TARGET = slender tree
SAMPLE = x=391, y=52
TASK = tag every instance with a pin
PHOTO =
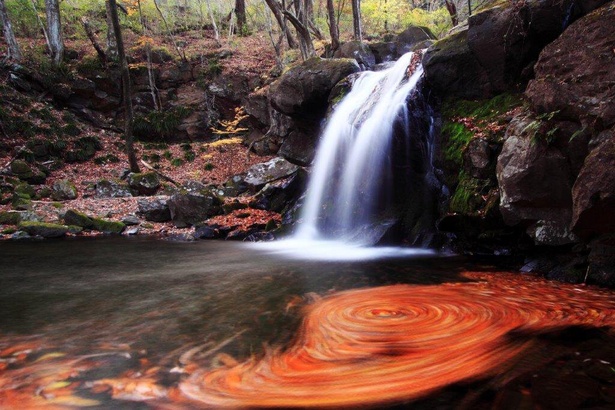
x=126, y=88
x=333, y=26
x=9, y=36
x=452, y=11
x=356, y=20
x=54, y=30
x=278, y=12
x=111, y=43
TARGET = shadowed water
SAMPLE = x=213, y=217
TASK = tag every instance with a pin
x=137, y=323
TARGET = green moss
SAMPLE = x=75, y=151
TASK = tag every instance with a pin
x=176, y=162
x=159, y=124
x=467, y=197
x=105, y=226
x=10, y=218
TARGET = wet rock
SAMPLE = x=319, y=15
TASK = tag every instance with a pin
x=209, y=232
x=63, y=190
x=190, y=208
x=260, y=174
x=299, y=147
x=131, y=231
x=358, y=50
x=479, y=158
x=384, y=52
x=146, y=183
x=601, y=259
x=551, y=233
x=573, y=74
x=534, y=177
x=112, y=189
x=155, y=209
x=10, y=218
x=593, y=193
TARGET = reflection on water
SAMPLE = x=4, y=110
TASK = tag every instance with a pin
x=138, y=323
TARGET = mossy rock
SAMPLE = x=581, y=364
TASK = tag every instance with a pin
x=146, y=183
x=22, y=203
x=105, y=226
x=64, y=190
x=10, y=218
x=47, y=230
x=22, y=170
x=44, y=192
x=25, y=190
x=72, y=217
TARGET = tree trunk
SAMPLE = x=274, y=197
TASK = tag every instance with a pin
x=334, y=30
x=305, y=39
x=111, y=43
x=277, y=11
x=452, y=11
x=126, y=88
x=54, y=28
x=13, y=48
x=213, y=22
x=240, y=13
x=90, y=33
x=356, y=20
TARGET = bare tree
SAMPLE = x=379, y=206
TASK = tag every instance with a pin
x=356, y=20
x=452, y=10
x=111, y=43
x=126, y=88
x=13, y=48
x=54, y=30
x=278, y=12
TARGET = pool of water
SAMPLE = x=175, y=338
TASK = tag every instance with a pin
x=143, y=323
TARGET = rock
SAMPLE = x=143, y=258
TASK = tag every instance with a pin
x=190, y=208
x=154, y=209
x=131, y=220
x=131, y=231
x=410, y=37
x=384, y=52
x=299, y=147
x=208, y=232
x=47, y=230
x=10, y=218
x=260, y=174
x=278, y=195
x=593, y=193
x=108, y=227
x=76, y=218
x=574, y=75
x=146, y=183
x=534, y=177
x=235, y=186
x=257, y=105
x=63, y=190
x=551, y=233
x=602, y=260
x=304, y=89
x=452, y=69
x=478, y=158
x=112, y=189
x=358, y=50
x=25, y=172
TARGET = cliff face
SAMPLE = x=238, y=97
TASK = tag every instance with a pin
x=554, y=165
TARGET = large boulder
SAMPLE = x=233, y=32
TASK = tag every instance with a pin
x=575, y=75
x=533, y=176
x=260, y=174
x=304, y=90
x=411, y=38
x=359, y=51
x=26, y=172
x=112, y=189
x=452, y=69
x=191, y=207
x=154, y=209
x=146, y=183
x=63, y=190
x=593, y=194
x=498, y=48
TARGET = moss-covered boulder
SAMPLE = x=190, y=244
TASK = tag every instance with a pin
x=112, y=189
x=76, y=218
x=63, y=190
x=48, y=230
x=26, y=172
x=105, y=226
x=191, y=207
x=10, y=218
x=146, y=183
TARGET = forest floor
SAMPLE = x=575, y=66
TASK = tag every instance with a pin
x=211, y=162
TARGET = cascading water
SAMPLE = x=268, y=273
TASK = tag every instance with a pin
x=352, y=165
x=352, y=177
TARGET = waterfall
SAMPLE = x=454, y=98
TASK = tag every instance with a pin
x=351, y=175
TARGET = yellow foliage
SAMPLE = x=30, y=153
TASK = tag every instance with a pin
x=232, y=127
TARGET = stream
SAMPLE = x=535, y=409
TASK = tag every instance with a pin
x=131, y=323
